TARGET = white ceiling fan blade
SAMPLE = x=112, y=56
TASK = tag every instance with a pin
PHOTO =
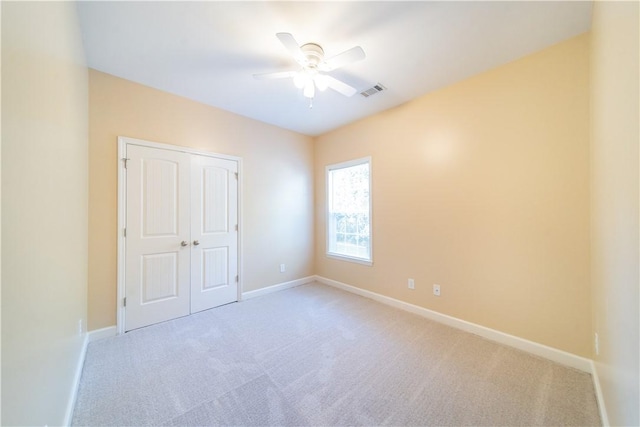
x=340, y=60
x=340, y=87
x=277, y=75
x=292, y=46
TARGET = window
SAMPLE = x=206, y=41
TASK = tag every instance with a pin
x=349, y=211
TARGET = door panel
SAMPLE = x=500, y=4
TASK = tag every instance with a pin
x=159, y=197
x=159, y=277
x=215, y=263
x=214, y=219
x=158, y=215
x=215, y=199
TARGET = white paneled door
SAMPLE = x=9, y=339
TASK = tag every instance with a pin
x=214, y=234
x=181, y=239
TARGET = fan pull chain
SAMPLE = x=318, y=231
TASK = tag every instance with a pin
x=310, y=103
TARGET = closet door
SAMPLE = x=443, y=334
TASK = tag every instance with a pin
x=214, y=232
x=158, y=236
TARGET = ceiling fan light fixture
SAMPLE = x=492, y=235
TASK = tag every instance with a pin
x=309, y=89
x=322, y=83
x=300, y=79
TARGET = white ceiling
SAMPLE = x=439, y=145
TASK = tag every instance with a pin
x=208, y=51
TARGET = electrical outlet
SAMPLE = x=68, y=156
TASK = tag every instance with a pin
x=412, y=284
x=596, y=344
x=282, y=268
x=436, y=290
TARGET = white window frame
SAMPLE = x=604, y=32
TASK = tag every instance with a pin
x=338, y=256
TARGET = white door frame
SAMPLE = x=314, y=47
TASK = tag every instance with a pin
x=122, y=197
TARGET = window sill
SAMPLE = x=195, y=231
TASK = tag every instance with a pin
x=349, y=259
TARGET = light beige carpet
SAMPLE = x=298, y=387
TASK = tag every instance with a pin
x=314, y=355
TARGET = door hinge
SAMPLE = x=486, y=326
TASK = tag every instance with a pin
x=124, y=302
x=237, y=279
x=124, y=232
x=236, y=173
x=125, y=162
x=236, y=227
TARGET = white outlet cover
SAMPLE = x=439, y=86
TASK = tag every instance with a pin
x=436, y=290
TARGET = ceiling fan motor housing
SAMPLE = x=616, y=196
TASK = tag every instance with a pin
x=313, y=53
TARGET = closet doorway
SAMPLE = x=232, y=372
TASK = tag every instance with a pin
x=178, y=232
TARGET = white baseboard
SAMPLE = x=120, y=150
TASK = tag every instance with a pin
x=559, y=356
x=88, y=337
x=275, y=288
x=604, y=417
x=98, y=334
x=73, y=394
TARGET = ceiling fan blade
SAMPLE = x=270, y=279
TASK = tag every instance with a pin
x=277, y=75
x=292, y=46
x=340, y=87
x=340, y=60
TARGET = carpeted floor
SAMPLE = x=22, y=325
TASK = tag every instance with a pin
x=314, y=355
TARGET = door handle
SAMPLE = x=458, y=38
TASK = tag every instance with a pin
x=184, y=243
x=196, y=243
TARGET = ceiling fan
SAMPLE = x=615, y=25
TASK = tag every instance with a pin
x=314, y=67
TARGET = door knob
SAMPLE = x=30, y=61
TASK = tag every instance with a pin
x=184, y=243
x=196, y=243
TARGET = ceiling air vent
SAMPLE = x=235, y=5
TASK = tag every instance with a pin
x=372, y=91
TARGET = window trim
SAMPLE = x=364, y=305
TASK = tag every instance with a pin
x=343, y=165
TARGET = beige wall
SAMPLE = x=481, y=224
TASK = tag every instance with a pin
x=483, y=188
x=277, y=197
x=44, y=209
x=614, y=208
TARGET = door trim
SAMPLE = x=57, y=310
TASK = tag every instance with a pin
x=123, y=141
